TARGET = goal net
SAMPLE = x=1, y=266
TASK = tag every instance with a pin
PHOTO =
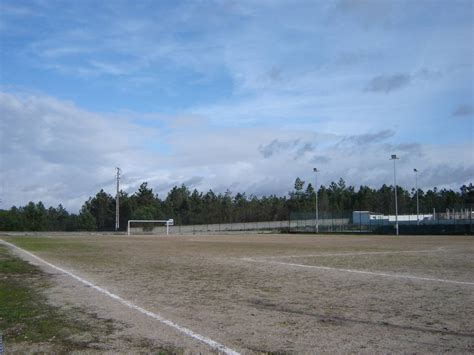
x=139, y=226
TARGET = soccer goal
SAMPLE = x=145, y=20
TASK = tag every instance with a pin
x=148, y=226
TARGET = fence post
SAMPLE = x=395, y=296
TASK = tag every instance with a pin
x=470, y=220
x=332, y=221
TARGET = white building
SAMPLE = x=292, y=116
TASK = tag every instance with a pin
x=371, y=218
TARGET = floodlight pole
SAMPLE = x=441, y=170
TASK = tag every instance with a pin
x=117, y=202
x=316, y=197
x=417, y=200
x=395, y=158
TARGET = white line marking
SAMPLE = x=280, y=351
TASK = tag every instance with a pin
x=362, y=272
x=213, y=344
x=353, y=254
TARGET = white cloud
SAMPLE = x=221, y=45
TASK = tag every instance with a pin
x=58, y=153
x=53, y=151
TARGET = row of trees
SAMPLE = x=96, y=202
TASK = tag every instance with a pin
x=35, y=217
x=194, y=207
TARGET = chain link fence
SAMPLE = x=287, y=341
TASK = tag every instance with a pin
x=448, y=222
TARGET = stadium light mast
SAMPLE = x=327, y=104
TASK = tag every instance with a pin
x=316, y=197
x=117, y=205
x=417, y=200
x=395, y=158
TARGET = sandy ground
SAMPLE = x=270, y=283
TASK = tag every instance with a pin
x=256, y=293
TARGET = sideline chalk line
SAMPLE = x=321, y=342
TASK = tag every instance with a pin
x=361, y=272
x=213, y=344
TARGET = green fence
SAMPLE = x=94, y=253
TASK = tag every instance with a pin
x=346, y=222
x=305, y=222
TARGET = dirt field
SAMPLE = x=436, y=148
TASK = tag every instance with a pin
x=271, y=293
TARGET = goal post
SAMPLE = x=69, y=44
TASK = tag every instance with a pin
x=149, y=224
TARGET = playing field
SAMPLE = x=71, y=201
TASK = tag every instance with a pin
x=272, y=293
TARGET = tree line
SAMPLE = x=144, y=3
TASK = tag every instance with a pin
x=194, y=207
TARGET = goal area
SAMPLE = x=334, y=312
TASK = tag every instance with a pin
x=148, y=226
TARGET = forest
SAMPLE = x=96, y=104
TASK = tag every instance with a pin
x=194, y=207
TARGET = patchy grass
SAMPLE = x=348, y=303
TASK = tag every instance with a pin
x=29, y=324
x=25, y=316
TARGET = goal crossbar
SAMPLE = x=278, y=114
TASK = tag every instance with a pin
x=168, y=223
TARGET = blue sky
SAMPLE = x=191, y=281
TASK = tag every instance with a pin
x=239, y=95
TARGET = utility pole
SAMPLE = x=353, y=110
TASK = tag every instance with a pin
x=417, y=200
x=395, y=158
x=316, y=198
x=117, y=213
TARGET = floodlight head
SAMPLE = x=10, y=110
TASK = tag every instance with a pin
x=394, y=156
x=415, y=170
x=315, y=170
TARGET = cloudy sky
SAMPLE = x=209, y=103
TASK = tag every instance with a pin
x=240, y=95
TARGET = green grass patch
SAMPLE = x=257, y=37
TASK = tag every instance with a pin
x=28, y=320
x=13, y=266
x=25, y=316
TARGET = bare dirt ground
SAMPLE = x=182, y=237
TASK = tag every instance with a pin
x=271, y=293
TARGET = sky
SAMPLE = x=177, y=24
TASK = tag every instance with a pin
x=232, y=95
